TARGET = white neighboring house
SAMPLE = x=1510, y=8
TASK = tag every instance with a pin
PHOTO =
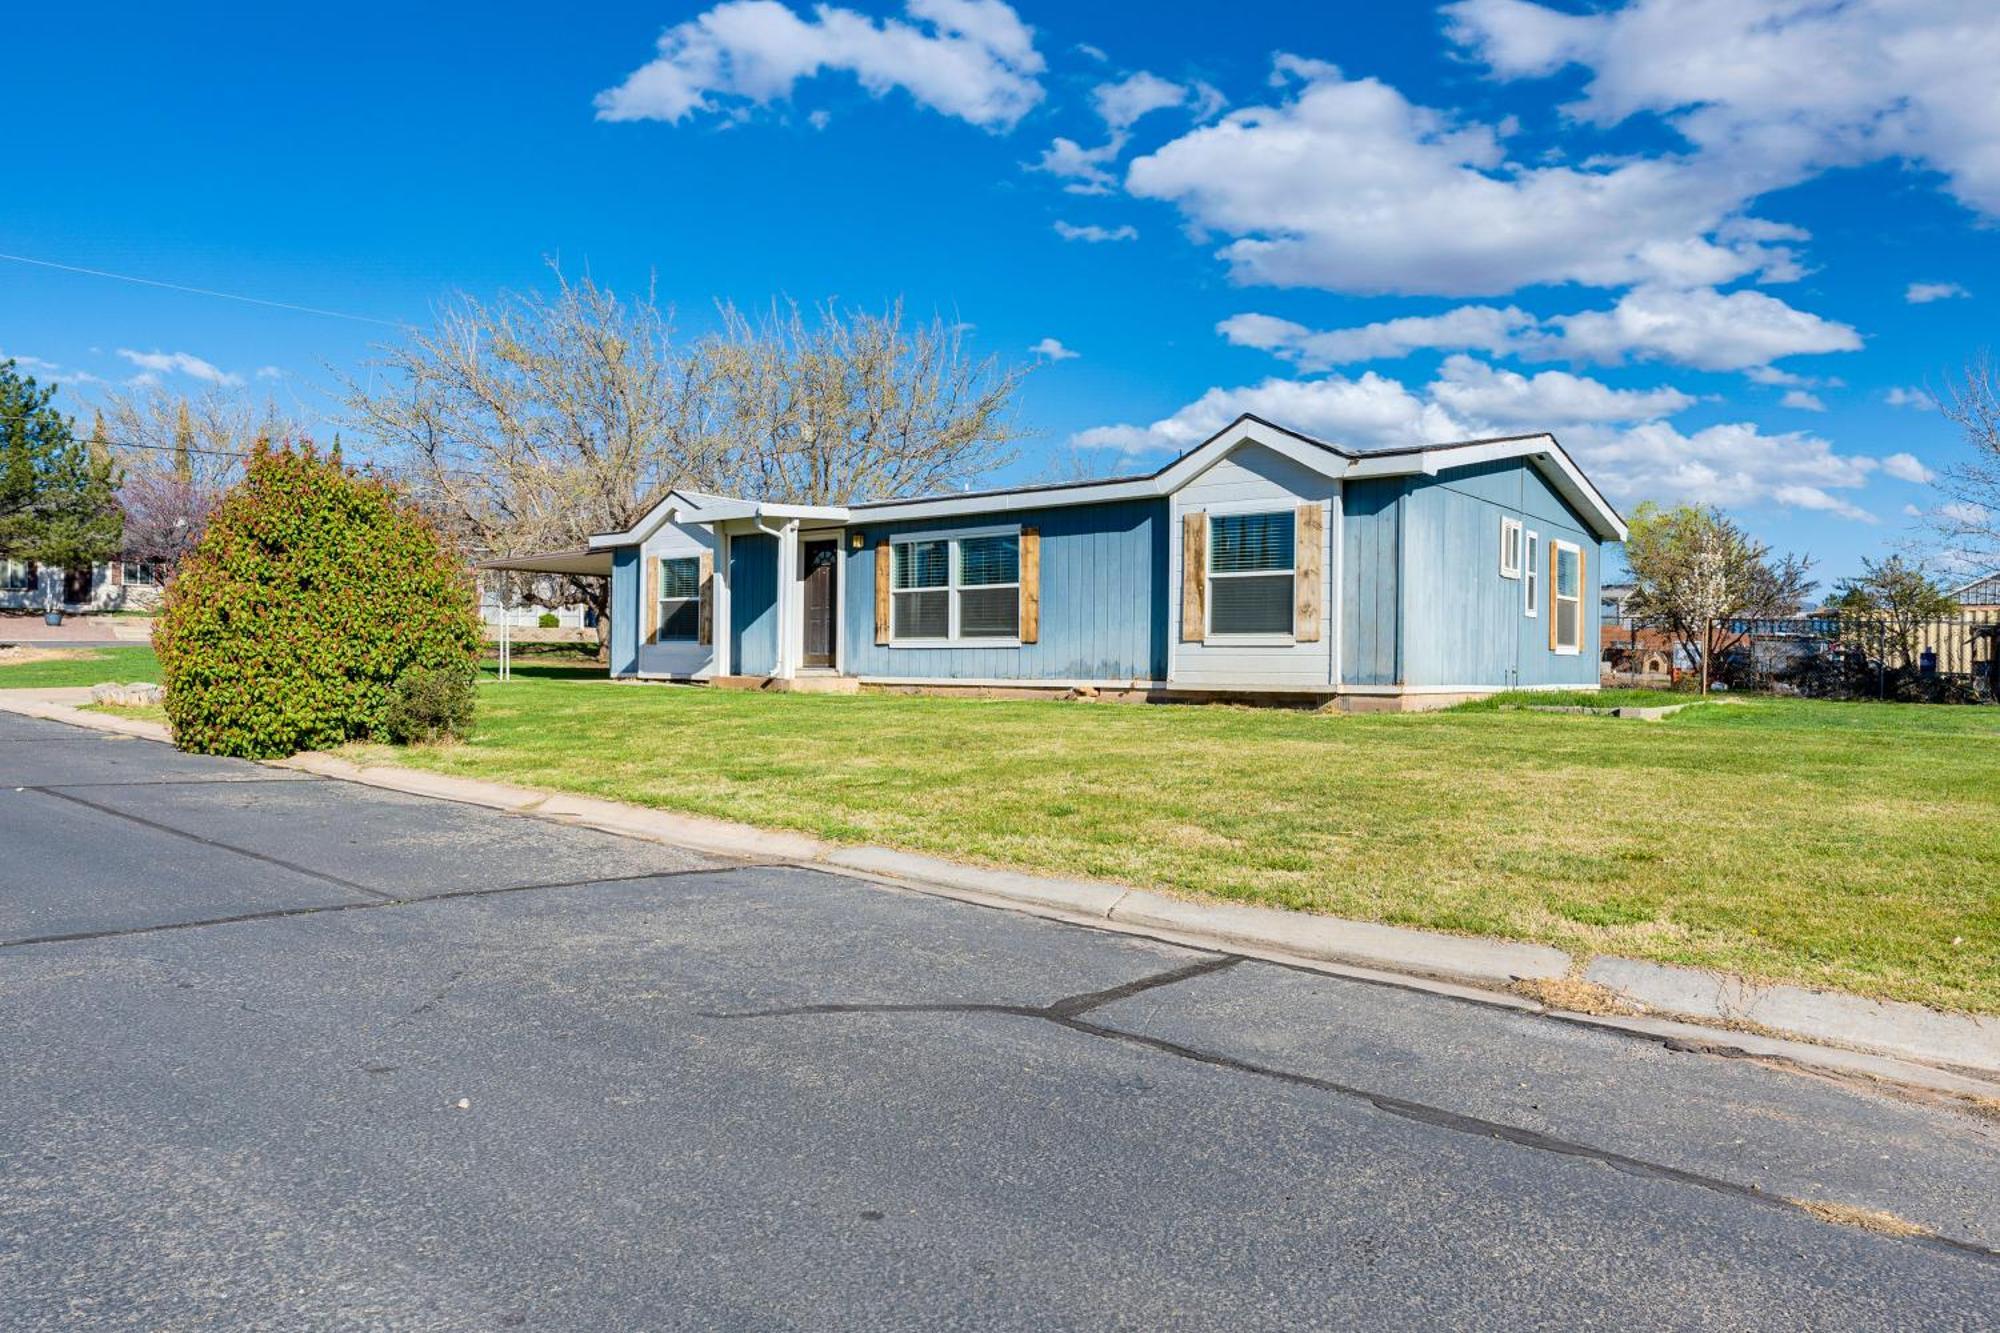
x=526, y=615
x=114, y=585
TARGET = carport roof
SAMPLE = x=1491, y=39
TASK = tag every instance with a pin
x=580, y=560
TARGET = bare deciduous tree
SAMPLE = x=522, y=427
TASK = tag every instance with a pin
x=1968, y=520
x=534, y=421
x=177, y=457
x=855, y=406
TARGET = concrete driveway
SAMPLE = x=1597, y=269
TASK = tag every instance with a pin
x=280, y=1052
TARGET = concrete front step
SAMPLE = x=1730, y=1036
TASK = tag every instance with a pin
x=811, y=683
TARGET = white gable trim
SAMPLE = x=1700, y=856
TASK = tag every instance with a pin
x=1541, y=450
x=1328, y=460
x=698, y=508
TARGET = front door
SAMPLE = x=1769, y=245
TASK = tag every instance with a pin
x=819, y=570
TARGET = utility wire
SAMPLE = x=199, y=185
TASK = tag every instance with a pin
x=202, y=291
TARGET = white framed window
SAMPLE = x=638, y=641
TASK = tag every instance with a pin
x=140, y=573
x=1252, y=563
x=1510, y=548
x=16, y=575
x=680, y=600
x=1531, y=584
x=1566, y=596
x=956, y=587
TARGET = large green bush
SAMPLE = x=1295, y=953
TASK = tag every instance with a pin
x=311, y=592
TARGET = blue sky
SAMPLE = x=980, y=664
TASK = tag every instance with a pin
x=1720, y=247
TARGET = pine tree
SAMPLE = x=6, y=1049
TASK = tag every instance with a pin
x=57, y=493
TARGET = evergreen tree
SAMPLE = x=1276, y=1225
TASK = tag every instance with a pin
x=57, y=501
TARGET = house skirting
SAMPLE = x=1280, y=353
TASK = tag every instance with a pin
x=1346, y=698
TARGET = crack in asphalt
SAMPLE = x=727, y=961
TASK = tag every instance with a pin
x=51, y=788
x=381, y=901
x=158, y=827
x=1068, y=1013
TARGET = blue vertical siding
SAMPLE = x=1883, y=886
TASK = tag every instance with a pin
x=1466, y=624
x=753, y=605
x=1370, y=579
x=1549, y=514
x=1104, y=600
x=624, y=610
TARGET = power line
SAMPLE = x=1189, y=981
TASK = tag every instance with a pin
x=201, y=291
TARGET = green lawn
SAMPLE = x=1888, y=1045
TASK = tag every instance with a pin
x=1849, y=845
x=83, y=666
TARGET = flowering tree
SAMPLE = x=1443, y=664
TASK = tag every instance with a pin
x=1694, y=571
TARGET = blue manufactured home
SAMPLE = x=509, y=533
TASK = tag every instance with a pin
x=1261, y=563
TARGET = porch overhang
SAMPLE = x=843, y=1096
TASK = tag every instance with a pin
x=581, y=562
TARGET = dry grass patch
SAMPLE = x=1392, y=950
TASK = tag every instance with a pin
x=1574, y=994
x=1867, y=1219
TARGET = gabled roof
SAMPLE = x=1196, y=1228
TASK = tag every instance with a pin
x=1541, y=449
x=1985, y=584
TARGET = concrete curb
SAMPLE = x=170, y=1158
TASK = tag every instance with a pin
x=1908, y=1029
x=1871, y=1038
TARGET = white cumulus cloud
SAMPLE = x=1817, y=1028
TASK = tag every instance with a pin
x=1121, y=104
x=1775, y=90
x=1051, y=349
x=1477, y=328
x=1907, y=467
x=1348, y=185
x=1700, y=327
x=1476, y=392
x=1923, y=293
x=1918, y=399
x=1094, y=234
x=971, y=59
x=158, y=363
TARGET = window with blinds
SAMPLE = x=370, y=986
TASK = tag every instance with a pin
x=922, y=605
x=989, y=586
x=961, y=588
x=680, y=600
x=1251, y=566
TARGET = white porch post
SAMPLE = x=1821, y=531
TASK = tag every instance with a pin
x=789, y=606
x=718, y=623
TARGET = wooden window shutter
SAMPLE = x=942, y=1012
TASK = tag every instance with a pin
x=649, y=614
x=1582, y=602
x=706, y=634
x=1551, y=557
x=882, y=590
x=1194, y=577
x=1308, y=543
x=1031, y=585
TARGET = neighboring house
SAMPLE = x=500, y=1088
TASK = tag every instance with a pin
x=107, y=586
x=528, y=615
x=1261, y=563
x=1981, y=594
x=1630, y=648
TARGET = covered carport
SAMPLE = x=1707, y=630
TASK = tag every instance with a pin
x=577, y=562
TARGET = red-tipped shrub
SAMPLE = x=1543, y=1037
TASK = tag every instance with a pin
x=312, y=590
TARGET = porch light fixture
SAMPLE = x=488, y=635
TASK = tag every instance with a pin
x=855, y=541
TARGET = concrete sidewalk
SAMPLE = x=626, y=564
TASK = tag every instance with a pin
x=1904, y=1043
x=76, y=631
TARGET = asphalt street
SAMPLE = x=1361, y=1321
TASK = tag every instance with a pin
x=280, y=1052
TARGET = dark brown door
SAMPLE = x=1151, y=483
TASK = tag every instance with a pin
x=820, y=570
x=76, y=585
